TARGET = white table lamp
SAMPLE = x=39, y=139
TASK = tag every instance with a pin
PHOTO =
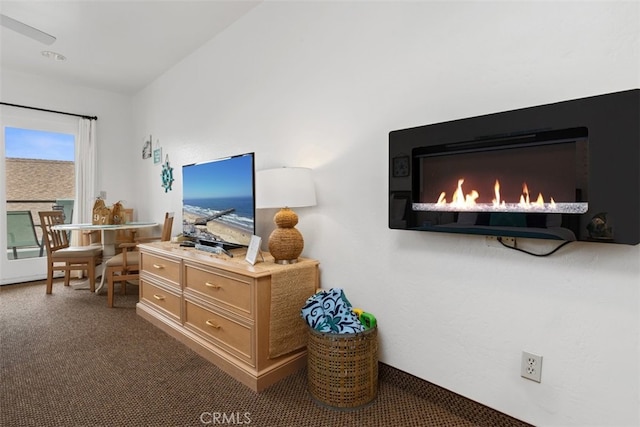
x=285, y=188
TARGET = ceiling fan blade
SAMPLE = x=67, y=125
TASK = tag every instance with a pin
x=26, y=30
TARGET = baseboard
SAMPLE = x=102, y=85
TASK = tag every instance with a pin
x=461, y=406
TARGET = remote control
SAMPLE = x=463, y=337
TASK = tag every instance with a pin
x=214, y=249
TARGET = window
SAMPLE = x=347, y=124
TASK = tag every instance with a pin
x=40, y=174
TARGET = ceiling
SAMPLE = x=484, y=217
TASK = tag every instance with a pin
x=119, y=46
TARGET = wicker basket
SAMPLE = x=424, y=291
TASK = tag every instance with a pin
x=343, y=368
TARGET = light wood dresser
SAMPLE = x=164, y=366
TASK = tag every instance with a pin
x=245, y=319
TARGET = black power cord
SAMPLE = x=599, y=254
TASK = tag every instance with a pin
x=566, y=242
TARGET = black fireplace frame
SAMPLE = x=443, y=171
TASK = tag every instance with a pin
x=611, y=125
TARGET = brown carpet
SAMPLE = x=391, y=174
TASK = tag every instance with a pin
x=68, y=360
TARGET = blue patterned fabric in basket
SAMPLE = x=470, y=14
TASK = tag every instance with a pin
x=330, y=311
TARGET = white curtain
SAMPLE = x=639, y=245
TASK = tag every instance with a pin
x=86, y=172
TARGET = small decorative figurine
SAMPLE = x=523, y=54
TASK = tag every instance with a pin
x=598, y=227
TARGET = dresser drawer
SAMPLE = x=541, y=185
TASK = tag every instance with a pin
x=221, y=329
x=160, y=299
x=220, y=287
x=165, y=268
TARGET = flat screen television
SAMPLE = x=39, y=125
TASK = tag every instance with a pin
x=218, y=206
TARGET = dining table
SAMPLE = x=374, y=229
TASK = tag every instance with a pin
x=108, y=238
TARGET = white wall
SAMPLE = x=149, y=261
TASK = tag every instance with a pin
x=321, y=84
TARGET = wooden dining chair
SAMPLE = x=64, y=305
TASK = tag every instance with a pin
x=128, y=235
x=61, y=256
x=126, y=265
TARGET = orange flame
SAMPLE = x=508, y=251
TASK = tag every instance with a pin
x=461, y=200
x=496, y=188
x=524, y=197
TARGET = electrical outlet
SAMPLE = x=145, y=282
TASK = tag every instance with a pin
x=531, y=367
x=103, y=195
x=492, y=241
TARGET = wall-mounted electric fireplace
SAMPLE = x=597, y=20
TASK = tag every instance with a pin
x=566, y=171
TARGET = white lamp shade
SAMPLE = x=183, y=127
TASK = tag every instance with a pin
x=285, y=188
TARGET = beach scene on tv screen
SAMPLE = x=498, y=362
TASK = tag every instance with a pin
x=218, y=202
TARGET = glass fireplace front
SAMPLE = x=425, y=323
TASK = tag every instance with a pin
x=567, y=171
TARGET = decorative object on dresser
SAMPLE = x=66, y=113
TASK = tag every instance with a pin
x=125, y=265
x=243, y=318
x=253, y=250
x=285, y=188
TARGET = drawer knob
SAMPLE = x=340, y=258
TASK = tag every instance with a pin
x=158, y=266
x=158, y=297
x=212, y=324
x=212, y=285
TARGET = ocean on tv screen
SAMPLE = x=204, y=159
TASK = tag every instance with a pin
x=225, y=219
